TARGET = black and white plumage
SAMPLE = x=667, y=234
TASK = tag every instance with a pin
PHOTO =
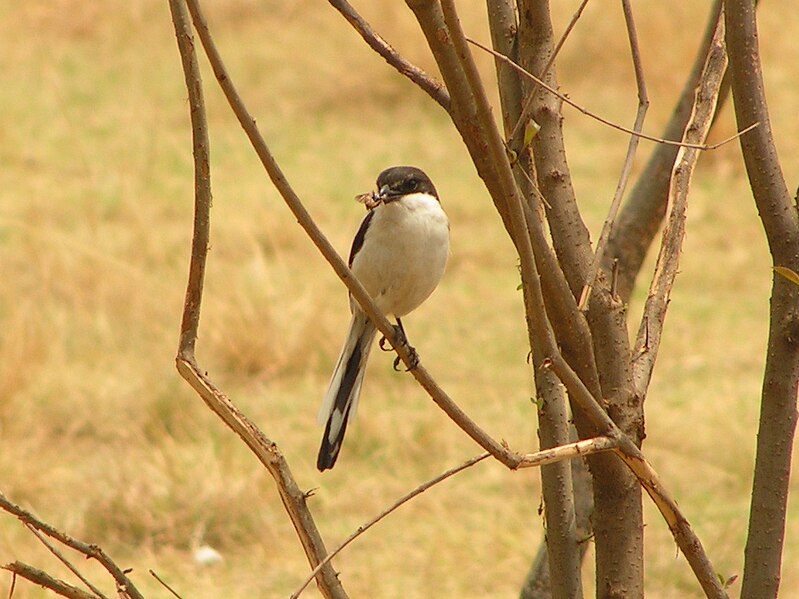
x=399, y=254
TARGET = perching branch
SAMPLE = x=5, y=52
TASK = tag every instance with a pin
x=266, y=451
x=305, y=220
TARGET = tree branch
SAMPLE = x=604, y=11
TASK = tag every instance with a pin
x=649, y=333
x=679, y=526
x=564, y=554
x=540, y=458
x=65, y=561
x=394, y=506
x=439, y=396
x=525, y=113
x=43, y=579
x=643, y=105
x=561, y=552
x=631, y=455
x=664, y=140
x=266, y=451
x=639, y=219
x=577, y=449
x=429, y=85
x=94, y=552
x=778, y=212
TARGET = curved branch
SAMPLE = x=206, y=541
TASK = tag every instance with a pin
x=266, y=451
x=439, y=396
x=428, y=84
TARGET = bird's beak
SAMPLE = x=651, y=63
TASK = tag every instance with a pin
x=386, y=194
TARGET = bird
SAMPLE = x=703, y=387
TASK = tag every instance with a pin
x=399, y=255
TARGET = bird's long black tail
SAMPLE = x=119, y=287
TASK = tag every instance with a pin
x=341, y=399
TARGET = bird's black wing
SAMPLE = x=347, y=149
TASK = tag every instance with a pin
x=357, y=243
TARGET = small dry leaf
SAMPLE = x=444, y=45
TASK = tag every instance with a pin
x=370, y=200
x=788, y=274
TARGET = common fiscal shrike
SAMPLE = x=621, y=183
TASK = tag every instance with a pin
x=399, y=254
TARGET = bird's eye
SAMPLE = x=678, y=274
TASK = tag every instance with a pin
x=412, y=184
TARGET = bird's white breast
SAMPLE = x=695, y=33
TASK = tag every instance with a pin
x=404, y=253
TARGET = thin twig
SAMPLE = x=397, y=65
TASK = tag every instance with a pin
x=305, y=220
x=429, y=85
x=90, y=551
x=602, y=120
x=402, y=500
x=13, y=585
x=164, y=584
x=64, y=560
x=643, y=105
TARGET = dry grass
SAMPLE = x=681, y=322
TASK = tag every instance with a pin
x=101, y=438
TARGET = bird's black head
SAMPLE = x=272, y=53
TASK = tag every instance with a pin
x=398, y=181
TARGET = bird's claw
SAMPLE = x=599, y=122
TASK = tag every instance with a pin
x=401, y=339
x=399, y=335
x=414, y=359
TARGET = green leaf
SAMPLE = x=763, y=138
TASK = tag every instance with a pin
x=531, y=129
x=787, y=273
x=725, y=581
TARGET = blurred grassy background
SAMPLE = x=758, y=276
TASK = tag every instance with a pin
x=100, y=436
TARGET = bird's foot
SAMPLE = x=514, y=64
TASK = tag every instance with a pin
x=401, y=339
x=399, y=335
x=414, y=361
